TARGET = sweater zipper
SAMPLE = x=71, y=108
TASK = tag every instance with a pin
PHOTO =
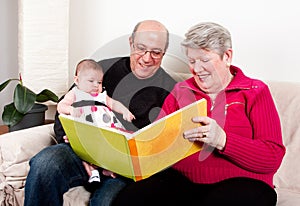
x=227, y=105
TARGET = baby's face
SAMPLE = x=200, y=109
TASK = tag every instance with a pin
x=90, y=81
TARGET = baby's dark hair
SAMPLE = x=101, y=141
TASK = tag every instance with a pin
x=87, y=64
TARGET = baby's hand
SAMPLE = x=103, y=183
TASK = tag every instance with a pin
x=89, y=167
x=109, y=173
x=76, y=112
x=128, y=116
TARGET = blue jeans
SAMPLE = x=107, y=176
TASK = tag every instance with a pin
x=106, y=193
x=55, y=170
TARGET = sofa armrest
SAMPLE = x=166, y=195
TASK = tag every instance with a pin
x=16, y=149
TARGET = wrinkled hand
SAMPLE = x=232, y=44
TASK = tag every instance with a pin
x=128, y=116
x=209, y=132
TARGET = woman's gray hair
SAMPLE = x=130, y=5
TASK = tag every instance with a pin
x=208, y=36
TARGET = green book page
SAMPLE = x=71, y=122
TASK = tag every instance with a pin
x=98, y=146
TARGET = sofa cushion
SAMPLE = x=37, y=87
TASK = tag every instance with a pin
x=287, y=198
x=16, y=148
x=76, y=196
x=287, y=100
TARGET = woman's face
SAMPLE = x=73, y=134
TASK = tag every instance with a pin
x=210, y=71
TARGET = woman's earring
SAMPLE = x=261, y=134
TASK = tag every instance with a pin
x=228, y=64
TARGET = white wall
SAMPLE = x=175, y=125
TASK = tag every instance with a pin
x=43, y=44
x=8, y=48
x=266, y=33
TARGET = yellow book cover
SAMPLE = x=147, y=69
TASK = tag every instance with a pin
x=140, y=154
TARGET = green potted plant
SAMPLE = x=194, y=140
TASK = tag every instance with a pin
x=24, y=101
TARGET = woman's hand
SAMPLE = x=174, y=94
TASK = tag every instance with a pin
x=209, y=132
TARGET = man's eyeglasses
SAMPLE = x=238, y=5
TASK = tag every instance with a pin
x=142, y=50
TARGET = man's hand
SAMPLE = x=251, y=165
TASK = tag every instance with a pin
x=66, y=139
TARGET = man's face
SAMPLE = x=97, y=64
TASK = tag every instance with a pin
x=147, y=51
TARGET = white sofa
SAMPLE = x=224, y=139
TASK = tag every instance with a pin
x=16, y=148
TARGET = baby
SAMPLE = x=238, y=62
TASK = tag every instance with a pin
x=88, y=101
x=89, y=92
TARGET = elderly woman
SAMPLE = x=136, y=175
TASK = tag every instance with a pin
x=241, y=135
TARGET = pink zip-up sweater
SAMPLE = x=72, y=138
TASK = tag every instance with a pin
x=247, y=113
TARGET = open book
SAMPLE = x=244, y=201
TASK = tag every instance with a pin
x=140, y=154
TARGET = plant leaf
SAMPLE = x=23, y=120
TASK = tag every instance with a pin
x=24, y=98
x=10, y=115
x=4, y=84
x=46, y=95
